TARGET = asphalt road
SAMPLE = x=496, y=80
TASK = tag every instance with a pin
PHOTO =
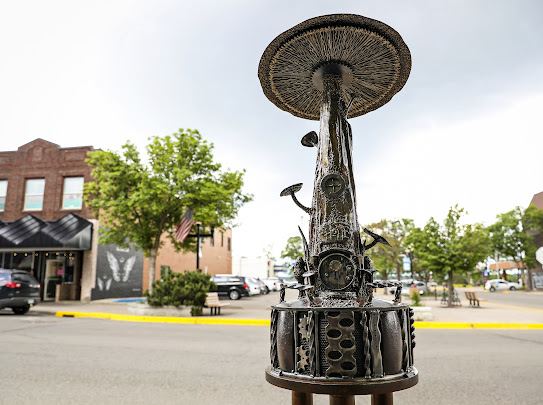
x=516, y=298
x=48, y=360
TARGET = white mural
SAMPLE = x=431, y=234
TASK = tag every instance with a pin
x=119, y=273
x=120, y=268
x=104, y=284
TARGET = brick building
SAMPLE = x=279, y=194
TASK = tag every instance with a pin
x=46, y=229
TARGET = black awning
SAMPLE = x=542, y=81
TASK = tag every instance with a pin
x=68, y=232
x=12, y=234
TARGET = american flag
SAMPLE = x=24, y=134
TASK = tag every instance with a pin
x=184, y=226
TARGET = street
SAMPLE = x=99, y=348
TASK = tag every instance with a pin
x=50, y=360
x=516, y=298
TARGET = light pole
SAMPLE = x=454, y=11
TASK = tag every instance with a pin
x=199, y=235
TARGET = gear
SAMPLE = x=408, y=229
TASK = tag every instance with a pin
x=303, y=327
x=300, y=365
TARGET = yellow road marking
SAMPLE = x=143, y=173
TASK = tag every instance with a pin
x=164, y=319
x=266, y=322
x=478, y=325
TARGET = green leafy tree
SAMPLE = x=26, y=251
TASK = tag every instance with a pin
x=512, y=236
x=293, y=249
x=138, y=202
x=450, y=248
x=389, y=259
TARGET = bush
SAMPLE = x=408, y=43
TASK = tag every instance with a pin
x=415, y=298
x=196, y=311
x=176, y=289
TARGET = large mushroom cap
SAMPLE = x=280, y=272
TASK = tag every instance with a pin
x=372, y=51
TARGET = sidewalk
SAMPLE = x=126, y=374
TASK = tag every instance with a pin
x=259, y=307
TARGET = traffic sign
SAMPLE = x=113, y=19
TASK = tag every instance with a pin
x=539, y=255
x=406, y=263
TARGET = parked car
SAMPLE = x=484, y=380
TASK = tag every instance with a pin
x=272, y=283
x=234, y=287
x=256, y=287
x=493, y=285
x=406, y=284
x=263, y=286
x=18, y=290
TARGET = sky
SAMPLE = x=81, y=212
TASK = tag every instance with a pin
x=466, y=129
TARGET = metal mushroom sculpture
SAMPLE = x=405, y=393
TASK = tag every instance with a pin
x=335, y=338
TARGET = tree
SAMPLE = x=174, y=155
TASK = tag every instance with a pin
x=450, y=248
x=293, y=249
x=389, y=259
x=512, y=236
x=268, y=252
x=139, y=202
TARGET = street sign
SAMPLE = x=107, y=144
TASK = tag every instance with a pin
x=539, y=255
x=406, y=264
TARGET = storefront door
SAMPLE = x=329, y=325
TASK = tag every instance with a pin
x=54, y=269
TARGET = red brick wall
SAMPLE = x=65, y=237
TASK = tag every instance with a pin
x=42, y=159
x=217, y=258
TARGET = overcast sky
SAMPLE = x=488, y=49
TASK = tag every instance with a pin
x=466, y=129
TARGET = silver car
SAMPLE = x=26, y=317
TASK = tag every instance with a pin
x=493, y=285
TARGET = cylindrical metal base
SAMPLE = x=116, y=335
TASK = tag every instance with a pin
x=302, y=398
x=342, y=400
x=382, y=399
x=306, y=398
x=342, y=388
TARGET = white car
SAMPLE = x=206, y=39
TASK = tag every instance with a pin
x=406, y=285
x=272, y=283
x=254, y=286
x=493, y=285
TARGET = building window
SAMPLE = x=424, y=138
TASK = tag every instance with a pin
x=3, y=192
x=222, y=239
x=229, y=245
x=164, y=271
x=73, y=193
x=34, y=194
x=212, y=239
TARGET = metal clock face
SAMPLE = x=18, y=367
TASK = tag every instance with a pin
x=336, y=271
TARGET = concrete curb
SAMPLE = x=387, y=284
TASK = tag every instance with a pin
x=266, y=322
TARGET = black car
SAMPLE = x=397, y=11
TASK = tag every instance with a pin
x=233, y=286
x=18, y=290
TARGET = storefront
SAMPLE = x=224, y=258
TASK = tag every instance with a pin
x=50, y=268
x=52, y=251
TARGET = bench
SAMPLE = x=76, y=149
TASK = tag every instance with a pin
x=213, y=303
x=472, y=297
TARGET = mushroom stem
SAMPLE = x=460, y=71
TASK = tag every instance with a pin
x=299, y=204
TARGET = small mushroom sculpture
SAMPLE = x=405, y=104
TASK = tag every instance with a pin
x=291, y=190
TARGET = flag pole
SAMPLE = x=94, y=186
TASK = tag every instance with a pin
x=197, y=247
